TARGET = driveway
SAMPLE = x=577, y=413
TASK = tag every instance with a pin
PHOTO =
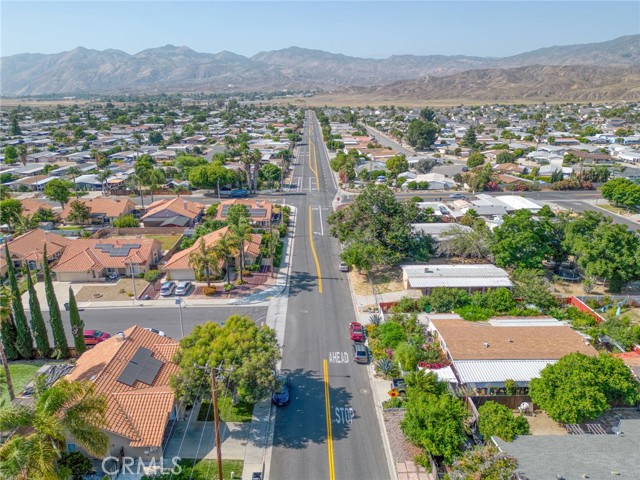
x=61, y=290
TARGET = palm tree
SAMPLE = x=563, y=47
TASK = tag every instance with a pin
x=103, y=176
x=67, y=407
x=256, y=158
x=134, y=182
x=205, y=259
x=247, y=160
x=74, y=172
x=240, y=233
x=225, y=248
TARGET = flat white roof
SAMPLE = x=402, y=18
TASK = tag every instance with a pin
x=497, y=371
x=456, y=276
x=518, y=203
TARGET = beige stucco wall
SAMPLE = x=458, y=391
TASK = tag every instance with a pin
x=181, y=274
x=77, y=277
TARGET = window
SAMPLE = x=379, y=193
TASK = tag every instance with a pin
x=32, y=265
x=71, y=447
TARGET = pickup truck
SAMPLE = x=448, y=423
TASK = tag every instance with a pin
x=399, y=385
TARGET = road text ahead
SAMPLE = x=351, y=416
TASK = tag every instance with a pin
x=338, y=357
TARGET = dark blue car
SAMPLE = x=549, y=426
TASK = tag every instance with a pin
x=282, y=395
x=238, y=193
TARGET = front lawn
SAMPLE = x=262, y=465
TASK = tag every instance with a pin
x=240, y=412
x=21, y=374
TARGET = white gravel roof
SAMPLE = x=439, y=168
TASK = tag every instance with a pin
x=497, y=371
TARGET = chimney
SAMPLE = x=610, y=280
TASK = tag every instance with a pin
x=121, y=337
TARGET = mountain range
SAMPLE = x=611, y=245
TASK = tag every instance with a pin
x=593, y=71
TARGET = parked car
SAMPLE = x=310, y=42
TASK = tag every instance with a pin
x=282, y=395
x=360, y=353
x=343, y=267
x=399, y=385
x=94, y=337
x=156, y=331
x=457, y=195
x=183, y=288
x=167, y=289
x=238, y=193
x=356, y=331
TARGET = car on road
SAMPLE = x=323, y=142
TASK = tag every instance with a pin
x=94, y=337
x=183, y=288
x=343, y=267
x=360, y=353
x=238, y=193
x=457, y=195
x=156, y=331
x=282, y=395
x=167, y=289
x=356, y=332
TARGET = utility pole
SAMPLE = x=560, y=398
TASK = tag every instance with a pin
x=133, y=280
x=216, y=415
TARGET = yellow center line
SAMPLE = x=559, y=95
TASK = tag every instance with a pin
x=313, y=250
x=327, y=403
x=315, y=161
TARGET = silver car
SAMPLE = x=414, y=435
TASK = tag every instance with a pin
x=183, y=288
x=167, y=289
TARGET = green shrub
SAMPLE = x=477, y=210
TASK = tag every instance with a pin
x=209, y=291
x=447, y=299
x=499, y=300
x=386, y=367
x=125, y=221
x=77, y=463
x=397, y=402
x=407, y=354
x=227, y=287
x=405, y=305
x=474, y=313
x=151, y=275
x=390, y=334
x=497, y=420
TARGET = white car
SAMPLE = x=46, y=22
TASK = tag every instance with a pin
x=183, y=288
x=343, y=267
x=156, y=331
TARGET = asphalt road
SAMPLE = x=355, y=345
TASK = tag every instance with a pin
x=319, y=311
x=113, y=320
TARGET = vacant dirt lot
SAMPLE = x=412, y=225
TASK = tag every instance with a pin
x=384, y=280
x=110, y=292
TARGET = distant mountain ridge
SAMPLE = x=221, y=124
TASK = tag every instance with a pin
x=178, y=68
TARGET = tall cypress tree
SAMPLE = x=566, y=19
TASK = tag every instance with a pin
x=61, y=347
x=9, y=334
x=77, y=325
x=38, y=327
x=24, y=340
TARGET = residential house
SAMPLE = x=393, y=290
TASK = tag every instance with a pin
x=437, y=230
x=104, y=210
x=176, y=212
x=27, y=250
x=473, y=278
x=260, y=211
x=92, y=260
x=178, y=267
x=33, y=183
x=485, y=354
x=31, y=206
x=609, y=454
x=132, y=370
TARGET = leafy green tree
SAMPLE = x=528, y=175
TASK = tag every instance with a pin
x=422, y=134
x=58, y=190
x=459, y=242
x=579, y=387
x=505, y=157
x=429, y=114
x=469, y=139
x=447, y=299
x=126, y=221
x=622, y=191
x=270, y=174
x=240, y=233
x=425, y=165
x=77, y=325
x=390, y=334
x=611, y=254
x=60, y=345
x=485, y=462
x=14, y=128
x=376, y=218
x=475, y=160
x=397, y=164
x=10, y=154
x=247, y=353
x=205, y=261
x=155, y=138
x=521, y=241
x=499, y=300
x=533, y=288
x=497, y=420
x=79, y=213
x=408, y=355
x=435, y=423
x=10, y=212
x=38, y=327
x=581, y=230
x=24, y=340
x=66, y=408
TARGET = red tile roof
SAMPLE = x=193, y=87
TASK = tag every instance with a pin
x=83, y=255
x=30, y=246
x=178, y=206
x=139, y=412
x=109, y=207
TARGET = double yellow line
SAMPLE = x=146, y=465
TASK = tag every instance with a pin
x=312, y=148
x=327, y=403
x=313, y=250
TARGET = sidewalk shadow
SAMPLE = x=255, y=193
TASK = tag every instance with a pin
x=295, y=427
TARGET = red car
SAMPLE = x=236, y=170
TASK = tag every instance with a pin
x=94, y=337
x=356, y=331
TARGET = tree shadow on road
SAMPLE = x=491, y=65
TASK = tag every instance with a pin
x=302, y=282
x=303, y=421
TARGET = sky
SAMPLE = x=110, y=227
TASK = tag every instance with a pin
x=375, y=29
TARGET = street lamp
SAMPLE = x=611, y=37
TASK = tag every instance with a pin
x=133, y=280
x=179, y=304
